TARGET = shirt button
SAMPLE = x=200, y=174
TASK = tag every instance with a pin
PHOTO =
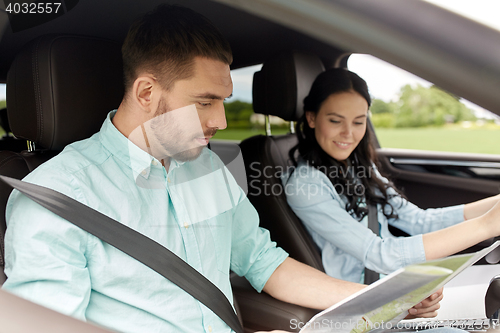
x=168, y=179
x=154, y=163
x=186, y=225
x=144, y=172
x=210, y=328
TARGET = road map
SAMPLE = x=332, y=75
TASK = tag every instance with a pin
x=381, y=305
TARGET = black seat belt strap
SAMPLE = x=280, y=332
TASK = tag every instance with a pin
x=371, y=276
x=136, y=245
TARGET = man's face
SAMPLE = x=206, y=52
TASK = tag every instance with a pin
x=190, y=113
x=174, y=133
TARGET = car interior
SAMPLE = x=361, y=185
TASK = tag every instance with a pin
x=49, y=110
x=65, y=75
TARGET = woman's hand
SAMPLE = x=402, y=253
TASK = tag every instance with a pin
x=448, y=241
x=428, y=307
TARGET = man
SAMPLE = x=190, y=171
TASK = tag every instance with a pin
x=149, y=169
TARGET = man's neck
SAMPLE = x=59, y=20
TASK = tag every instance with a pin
x=166, y=163
x=128, y=123
x=124, y=120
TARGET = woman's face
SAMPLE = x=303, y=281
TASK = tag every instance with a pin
x=340, y=123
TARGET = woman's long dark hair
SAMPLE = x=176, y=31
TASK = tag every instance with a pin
x=356, y=173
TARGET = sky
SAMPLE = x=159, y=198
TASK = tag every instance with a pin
x=385, y=87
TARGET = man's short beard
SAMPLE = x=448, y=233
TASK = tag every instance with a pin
x=188, y=155
x=182, y=156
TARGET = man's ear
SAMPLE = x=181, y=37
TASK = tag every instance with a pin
x=144, y=91
x=311, y=117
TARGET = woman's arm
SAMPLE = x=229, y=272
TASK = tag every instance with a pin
x=315, y=201
x=478, y=208
x=415, y=220
x=456, y=238
x=312, y=199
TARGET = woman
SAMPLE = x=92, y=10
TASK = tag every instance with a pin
x=336, y=178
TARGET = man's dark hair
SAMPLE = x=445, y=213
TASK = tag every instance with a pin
x=165, y=41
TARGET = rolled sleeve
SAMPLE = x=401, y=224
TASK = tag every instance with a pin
x=415, y=220
x=253, y=254
x=389, y=254
x=413, y=249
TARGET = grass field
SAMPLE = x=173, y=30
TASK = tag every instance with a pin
x=454, y=139
x=483, y=141
x=232, y=134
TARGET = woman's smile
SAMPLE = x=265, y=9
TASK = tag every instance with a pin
x=342, y=145
x=340, y=123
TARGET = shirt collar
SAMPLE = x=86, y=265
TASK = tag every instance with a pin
x=138, y=160
x=120, y=146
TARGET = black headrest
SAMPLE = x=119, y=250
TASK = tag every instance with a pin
x=280, y=87
x=60, y=88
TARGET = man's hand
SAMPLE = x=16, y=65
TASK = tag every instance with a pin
x=428, y=307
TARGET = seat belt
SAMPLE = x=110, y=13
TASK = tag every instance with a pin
x=136, y=245
x=371, y=276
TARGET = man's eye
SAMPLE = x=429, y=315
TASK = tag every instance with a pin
x=204, y=104
x=334, y=121
x=359, y=123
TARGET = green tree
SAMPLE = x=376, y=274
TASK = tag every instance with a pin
x=382, y=113
x=383, y=120
x=422, y=106
x=238, y=114
x=379, y=106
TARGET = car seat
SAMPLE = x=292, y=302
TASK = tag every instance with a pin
x=279, y=89
x=59, y=90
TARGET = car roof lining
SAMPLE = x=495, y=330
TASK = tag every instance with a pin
x=253, y=39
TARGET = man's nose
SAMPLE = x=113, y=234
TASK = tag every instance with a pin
x=218, y=118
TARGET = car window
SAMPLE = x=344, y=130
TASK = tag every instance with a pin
x=412, y=113
x=242, y=122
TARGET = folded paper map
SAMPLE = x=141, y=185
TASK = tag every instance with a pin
x=381, y=305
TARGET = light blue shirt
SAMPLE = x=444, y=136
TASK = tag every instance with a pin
x=191, y=209
x=348, y=245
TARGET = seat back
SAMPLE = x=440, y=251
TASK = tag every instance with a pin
x=279, y=89
x=78, y=81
